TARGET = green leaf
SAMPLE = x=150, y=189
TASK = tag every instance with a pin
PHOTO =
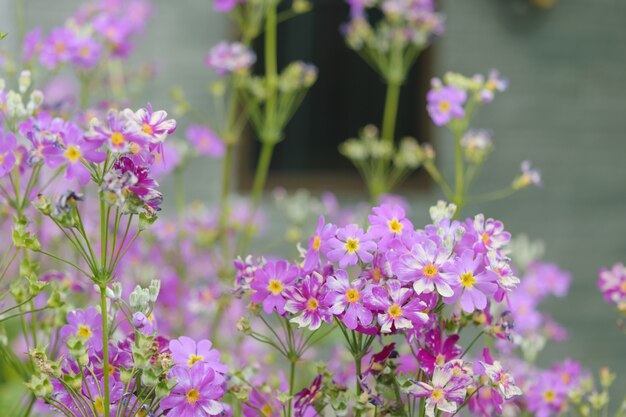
x=3, y=35
x=145, y=221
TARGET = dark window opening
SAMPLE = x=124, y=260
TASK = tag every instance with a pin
x=347, y=96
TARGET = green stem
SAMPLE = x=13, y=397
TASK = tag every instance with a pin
x=391, y=111
x=20, y=18
x=459, y=186
x=357, y=365
x=105, y=349
x=472, y=343
x=292, y=375
x=492, y=196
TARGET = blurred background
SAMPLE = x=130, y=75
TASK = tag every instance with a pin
x=565, y=111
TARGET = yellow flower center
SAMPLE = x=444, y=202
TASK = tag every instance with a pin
x=147, y=129
x=84, y=332
x=275, y=286
x=376, y=274
x=352, y=245
x=485, y=238
x=117, y=139
x=312, y=304
x=317, y=242
x=491, y=85
x=59, y=47
x=99, y=405
x=503, y=379
x=395, y=226
x=266, y=410
x=192, y=396
x=444, y=106
x=549, y=395
x=84, y=51
x=565, y=377
x=352, y=295
x=193, y=359
x=440, y=359
x=622, y=287
x=437, y=394
x=135, y=148
x=395, y=311
x=1, y=158
x=72, y=153
x=430, y=270
x=467, y=279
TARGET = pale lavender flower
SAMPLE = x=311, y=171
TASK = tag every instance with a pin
x=398, y=309
x=424, y=268
x=226, y=58
x=445, y=103
x=350, y=245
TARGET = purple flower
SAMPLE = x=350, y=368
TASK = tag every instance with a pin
x=524, y=310
x=546, y=396
x=8, y=143
x=57, y=48
x=226, y=58
x=119, y=135
x=612, y=283
x=444, y=393
x=350, y=245
x=387, y=223
x=225, y=5
x=473, y=282
x=86, y=324
x=318, y=243
x=424, y=268
x=399, y=310
x=32, y=44
x=530, y=176
x=445, y=103
x=308, y=298
x=197, y=392
x=491, y=235
x=348, y=297
x=205, y=141
x=186, y=352
x=74, y=150
x=494, y=83
x=438, y=352
x=85, y=52
x=270, y=284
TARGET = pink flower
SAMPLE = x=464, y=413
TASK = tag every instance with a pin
x=348, y=297
x=318, y=243
x=86, y=324
x=270, y=284
x=308, y=298
x=473, y=282
x=350, y=245
x=197, y=392
x=398, y=309
x=7, y=157
x=445, y=393
x=205, y=141
x=387, y=223
x=185, y=352
x=437, y=351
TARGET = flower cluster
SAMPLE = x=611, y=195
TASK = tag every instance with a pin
x=226, y=58
x=98, y=30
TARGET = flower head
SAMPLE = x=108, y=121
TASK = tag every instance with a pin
x=226, y=58
x=309, y=299
x=397, y=307
x=347, y=298
x=445, y=103
x=186, y=352
x=205, y=141
x=350, y=245
x=271, y=283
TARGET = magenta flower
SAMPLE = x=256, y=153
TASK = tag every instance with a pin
x=318, y=243
x=350, y=245
x=612, y=283
x=398, y=309
x=153, y=124
x=205, y=141
x=8, y=143
x=270, y=284
x=473, y=282
x=225, y=5
x=524, y=310
x=308, y=298
x=546, y=396
x=186, y=352
x=197, y=392
x=424, y=267
x=32, y=44
x=445, y=103
x=387, y=223
x=74, y=151
x=226, y=58
x=348, y=297
x=86, y=324
x=438, y=352
x=445, y=393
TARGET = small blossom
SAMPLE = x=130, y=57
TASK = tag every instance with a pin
x=350, y=245
x=226, y=58
x=8, y=144
x=473, y=282
x=398, y=309
x=270, y=284
x=444, y=393
x=348, y=297
x=205, y=141
x=445, y=103
x=308, y=298
x=186, y=352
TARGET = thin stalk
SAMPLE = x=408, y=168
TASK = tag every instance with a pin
x=391, y=111
x=357, y=372
x=459, y=186
x=105, y=349
x=292, y=375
